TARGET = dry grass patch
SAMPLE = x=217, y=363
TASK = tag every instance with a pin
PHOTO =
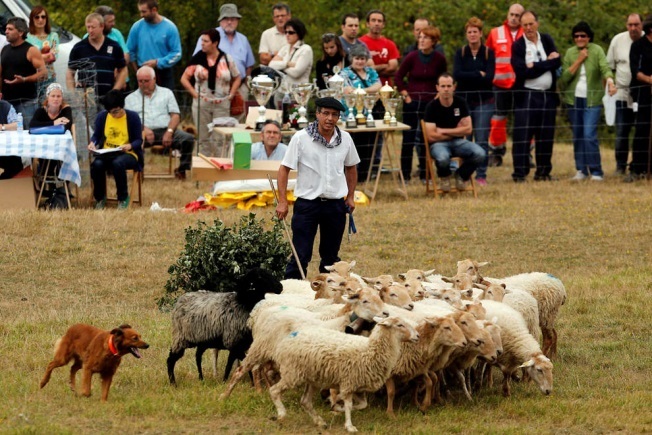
x=109, y=267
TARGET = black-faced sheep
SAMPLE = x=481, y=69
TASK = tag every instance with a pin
x=210, y=320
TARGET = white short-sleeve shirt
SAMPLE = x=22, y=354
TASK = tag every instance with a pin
x=320, y=170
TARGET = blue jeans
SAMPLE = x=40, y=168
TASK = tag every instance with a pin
x=472, y=154
x=27, y=108
x=584, y=122
x=413, y=138
x=624, y=123
x=481, y=116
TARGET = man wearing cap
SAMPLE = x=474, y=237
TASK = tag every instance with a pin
x=234, y=43
x=325, y=159
x=154, y=41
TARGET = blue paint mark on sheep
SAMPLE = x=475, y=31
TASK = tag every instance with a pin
x=294, y=333
x=552, y=276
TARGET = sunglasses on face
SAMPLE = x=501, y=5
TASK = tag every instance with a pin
x=580, y=36
x=40, y=17
x=290, y=32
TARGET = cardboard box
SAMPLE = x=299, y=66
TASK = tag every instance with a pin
x=18, y=193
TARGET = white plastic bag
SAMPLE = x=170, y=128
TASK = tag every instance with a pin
x=609, y=103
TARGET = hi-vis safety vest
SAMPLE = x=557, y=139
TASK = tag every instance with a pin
x=500, y=40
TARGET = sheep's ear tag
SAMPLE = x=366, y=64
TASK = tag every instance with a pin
x=294, y=333
x=529, y=363
x=283, y=307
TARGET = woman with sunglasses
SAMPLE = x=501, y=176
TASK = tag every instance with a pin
x=120, y=130
x=41, y=36
x=334, y=56
x=294, y=59
x=584, y=72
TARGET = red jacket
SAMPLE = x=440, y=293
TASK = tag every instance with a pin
x=500, y=41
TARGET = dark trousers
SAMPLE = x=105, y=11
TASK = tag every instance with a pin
x=641, y=144
x=534, y=118
x=117, y=165
x=330, y=217
x=181, y=140
x=12, y=165
x=624, y=123
x=165, y=77
x=413, y=139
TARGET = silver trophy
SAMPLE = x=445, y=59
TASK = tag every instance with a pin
x=302, y=93
x=386, y=93
x=369, y=103
x=392, y=105
x=336, y=83
x=327, y=93
x=262, y=87
x=350, y=100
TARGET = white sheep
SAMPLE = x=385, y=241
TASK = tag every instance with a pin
x=520, y=349
x=520, y=300
x=319, y=359
x=419, y=274
x=547, y=289
x=342, y=268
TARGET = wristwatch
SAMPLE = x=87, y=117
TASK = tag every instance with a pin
x=170, y=130
x=3, y=127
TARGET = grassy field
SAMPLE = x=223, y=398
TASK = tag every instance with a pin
x=107, y=268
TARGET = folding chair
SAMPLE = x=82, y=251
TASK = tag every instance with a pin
x=156, y=148
x=431, y=171
x=136, y=183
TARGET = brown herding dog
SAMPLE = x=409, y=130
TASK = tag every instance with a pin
x=94, y=351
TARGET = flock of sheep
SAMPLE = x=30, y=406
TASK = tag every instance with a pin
x=351, y=335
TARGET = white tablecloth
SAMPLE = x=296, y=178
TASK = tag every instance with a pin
x=43, y=146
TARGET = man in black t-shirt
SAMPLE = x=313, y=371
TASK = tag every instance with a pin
x=447, y=124
x=95, y=60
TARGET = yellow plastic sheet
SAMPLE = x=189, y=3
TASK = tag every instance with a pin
x=249, y=200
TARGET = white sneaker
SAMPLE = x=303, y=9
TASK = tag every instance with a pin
x=579, y=176
x=597, y=178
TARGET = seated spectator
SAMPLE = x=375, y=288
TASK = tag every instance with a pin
x=294, y=59
x=11, y=165
x=270, y=148
x=160, y=115
x=447, y=124
x=121, y=129
x=55, y=110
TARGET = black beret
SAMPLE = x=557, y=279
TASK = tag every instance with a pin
x=329, y=103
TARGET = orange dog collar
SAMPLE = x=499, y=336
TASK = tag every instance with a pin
x=112, y=348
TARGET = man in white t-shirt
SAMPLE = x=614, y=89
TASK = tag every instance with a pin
x=273, y=38
x=618, y=58
x=325, y=159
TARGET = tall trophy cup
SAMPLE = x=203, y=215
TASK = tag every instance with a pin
x=369, y=103
x=385, y=94
x=350, y=101
x=336, y=83
x=302, y=93
x=262, y=88
x=392, y=105
x=359, y=105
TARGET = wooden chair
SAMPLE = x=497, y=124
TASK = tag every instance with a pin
x=431, y=181
x=136, y=183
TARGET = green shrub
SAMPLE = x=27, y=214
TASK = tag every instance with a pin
x=216, y=256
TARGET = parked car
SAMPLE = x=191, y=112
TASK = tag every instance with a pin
x=22, y=8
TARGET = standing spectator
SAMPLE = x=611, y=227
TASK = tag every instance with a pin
x=535, y=61
x=21, y=68
x=416, y=80
x=41, y=36
x=160, y=115
x=10, y=165
x=110, y=31
x=383, y=51
x=333, y=56
x=584, y=69
x=324, y=157
x=273, y=38
x=447, y=124
x=360, y=75
x=154, y=41
x=474, y=72
x=418, y=26
x=115, y=127
x=295, y=57
x=234, y=44
x=350, y=30
x=270, y=146
x=500, y=40
x=640, y=62
x=216, y=80
x=618, y=59
x=104, y=53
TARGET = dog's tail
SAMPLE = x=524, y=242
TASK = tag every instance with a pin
x=57, y=345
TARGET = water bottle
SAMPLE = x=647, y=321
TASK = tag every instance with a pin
x=19, y=122
x=285, y=104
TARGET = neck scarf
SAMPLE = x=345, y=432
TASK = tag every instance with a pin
x=313, y=131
